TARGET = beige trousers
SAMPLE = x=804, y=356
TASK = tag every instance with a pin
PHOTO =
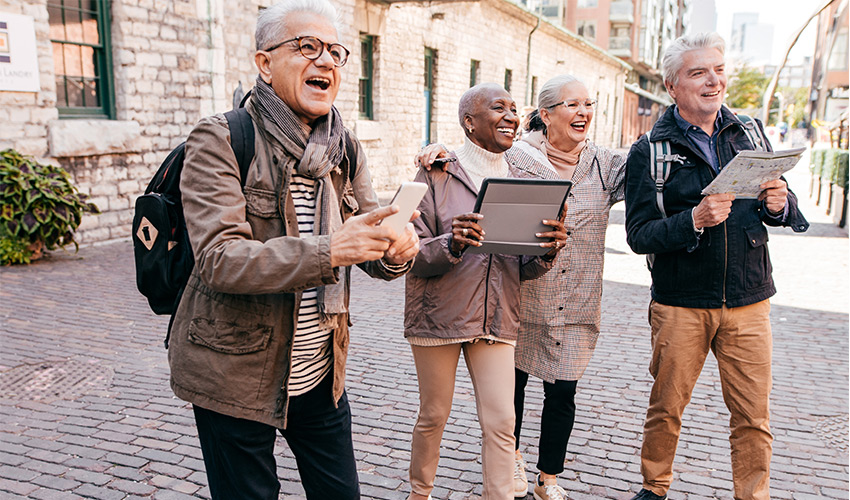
x=741, y=341
x=491, y=367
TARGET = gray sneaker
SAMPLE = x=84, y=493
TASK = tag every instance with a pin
x=520, y=478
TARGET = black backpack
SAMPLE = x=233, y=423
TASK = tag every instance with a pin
x=161, y=248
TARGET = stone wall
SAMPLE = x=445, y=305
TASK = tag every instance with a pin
x=175, y=61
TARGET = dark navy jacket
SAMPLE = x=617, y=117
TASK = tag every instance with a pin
x=729, y=263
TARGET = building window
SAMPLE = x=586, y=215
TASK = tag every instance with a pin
x=82, y=58
x=474, y=72
x=587, y=29
x=587, y=4
x=509, y=76
x=367, y=76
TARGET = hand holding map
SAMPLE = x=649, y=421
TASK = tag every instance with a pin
x=748, y=170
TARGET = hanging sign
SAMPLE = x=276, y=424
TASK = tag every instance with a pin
x=18, y=54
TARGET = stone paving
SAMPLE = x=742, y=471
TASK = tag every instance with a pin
x=87, y=411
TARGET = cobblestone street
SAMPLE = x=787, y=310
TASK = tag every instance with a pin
x=87, y=410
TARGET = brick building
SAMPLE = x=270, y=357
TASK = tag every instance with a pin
x=120, y=82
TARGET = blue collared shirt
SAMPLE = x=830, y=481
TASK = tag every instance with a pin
x=701, y=141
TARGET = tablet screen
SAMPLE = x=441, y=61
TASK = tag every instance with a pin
x=513, y=211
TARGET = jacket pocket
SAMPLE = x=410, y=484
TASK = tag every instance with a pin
x=759, y=268
x=228, y=323
x=260, y=202
x=229, y=337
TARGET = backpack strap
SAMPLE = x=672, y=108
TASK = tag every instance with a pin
x=241, y=139
x=350, y=155
x=752, y=132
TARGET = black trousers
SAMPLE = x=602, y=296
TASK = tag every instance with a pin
x=239, y=458
x=556, y=423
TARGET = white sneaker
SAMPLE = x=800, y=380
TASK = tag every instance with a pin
x=520, y=478
x=548, y=490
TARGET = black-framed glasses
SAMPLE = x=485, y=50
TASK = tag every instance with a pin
x=312, y=48
x=573, y=104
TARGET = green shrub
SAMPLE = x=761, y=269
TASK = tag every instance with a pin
x=38, y=206
x=841, y=168
x=816, y=165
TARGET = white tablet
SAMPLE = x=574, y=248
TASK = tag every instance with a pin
x=407, y=198
x=514, y=210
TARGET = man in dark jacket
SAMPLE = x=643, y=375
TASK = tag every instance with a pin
x=711, y=277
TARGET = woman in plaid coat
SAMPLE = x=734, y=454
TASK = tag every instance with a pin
x=560, y=311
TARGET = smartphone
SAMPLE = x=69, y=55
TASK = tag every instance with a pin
x=443, y=160
x=407, y=198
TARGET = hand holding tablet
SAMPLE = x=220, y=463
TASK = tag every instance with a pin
x=513, y=212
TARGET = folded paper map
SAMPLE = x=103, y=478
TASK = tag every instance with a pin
x=750, y=169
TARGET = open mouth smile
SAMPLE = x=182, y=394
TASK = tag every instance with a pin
x=580, y=126
x=319, y=82
x=506, y=131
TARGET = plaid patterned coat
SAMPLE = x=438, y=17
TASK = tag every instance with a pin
x=560, y=311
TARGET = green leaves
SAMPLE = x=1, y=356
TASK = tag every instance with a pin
x=37, y=203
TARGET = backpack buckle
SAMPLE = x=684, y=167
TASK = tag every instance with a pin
x=670, y=158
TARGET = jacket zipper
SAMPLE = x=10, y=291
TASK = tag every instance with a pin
x=487, y=292
x=725, y=232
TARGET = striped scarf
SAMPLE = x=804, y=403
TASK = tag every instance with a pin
x=317, y=155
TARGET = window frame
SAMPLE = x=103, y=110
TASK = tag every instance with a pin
x=509, y=77
x=366, y=97
x=105, y=79
x=474, y=72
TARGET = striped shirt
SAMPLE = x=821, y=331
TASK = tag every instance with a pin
x=312, y=357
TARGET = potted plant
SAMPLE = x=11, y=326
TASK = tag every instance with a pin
x=39, y=208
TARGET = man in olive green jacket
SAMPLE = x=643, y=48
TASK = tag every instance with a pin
x=260, y=338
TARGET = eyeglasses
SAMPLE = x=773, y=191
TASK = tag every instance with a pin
x=312, y=48
x=573, y=104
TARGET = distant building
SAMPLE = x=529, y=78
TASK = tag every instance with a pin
x=793, y=76
x=702, y=17
x=751, y=41
x=635, y=31
x=829, y=93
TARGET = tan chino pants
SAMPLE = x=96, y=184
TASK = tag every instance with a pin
x=491, y=367
x=741, y=341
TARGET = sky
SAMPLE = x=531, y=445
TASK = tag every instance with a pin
x=786, y=16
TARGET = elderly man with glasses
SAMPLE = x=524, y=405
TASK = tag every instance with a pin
x=260, y=338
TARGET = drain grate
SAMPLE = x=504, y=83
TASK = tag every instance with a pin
x=54, y=380
x=833, y=432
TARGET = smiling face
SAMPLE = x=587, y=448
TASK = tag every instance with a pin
x=567, y=125
x=307, y=87
x=493, y=119
x=701, y=87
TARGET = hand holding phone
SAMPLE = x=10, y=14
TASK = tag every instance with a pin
x=407, y=198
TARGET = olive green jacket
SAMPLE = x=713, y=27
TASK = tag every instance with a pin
x=231, y=340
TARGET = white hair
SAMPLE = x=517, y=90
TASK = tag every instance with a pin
x=550, y=92
x=272, y=22
x=674, y=56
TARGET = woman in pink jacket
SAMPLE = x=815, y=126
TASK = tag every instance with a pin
x=468, y=303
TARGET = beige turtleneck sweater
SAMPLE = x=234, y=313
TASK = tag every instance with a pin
x=480, y=163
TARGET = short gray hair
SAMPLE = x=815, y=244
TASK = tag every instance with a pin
x=550, y=92
x=674, y=56
x=471, y=98
x=271, y=23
